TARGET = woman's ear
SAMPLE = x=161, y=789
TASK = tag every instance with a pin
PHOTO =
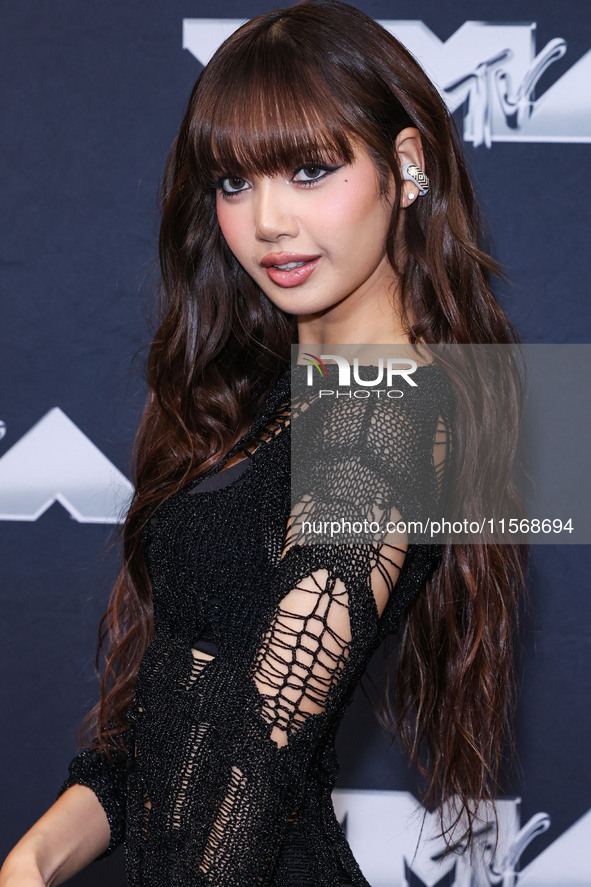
x=409, y=149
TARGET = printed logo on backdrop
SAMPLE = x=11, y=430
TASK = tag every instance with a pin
x=489, y=68
x=397, y=845
x=56, y=462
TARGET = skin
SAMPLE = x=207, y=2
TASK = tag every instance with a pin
x=352, y=295
x=72, y=833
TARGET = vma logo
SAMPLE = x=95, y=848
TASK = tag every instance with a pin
x=56, y=462
x=491, y=70
x=397, y=844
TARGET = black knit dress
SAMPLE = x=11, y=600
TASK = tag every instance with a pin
x=231, y=760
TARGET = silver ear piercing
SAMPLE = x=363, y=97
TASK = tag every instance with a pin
x=413, y=173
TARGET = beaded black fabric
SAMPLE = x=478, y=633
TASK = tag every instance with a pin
x=260, y=642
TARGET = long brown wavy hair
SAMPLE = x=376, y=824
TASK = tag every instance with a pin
x=297, y=84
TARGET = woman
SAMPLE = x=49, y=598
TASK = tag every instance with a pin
x=315, y=193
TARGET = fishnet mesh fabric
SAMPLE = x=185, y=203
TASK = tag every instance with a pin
x=306, y=647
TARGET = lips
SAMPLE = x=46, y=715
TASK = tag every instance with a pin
x=289, y=269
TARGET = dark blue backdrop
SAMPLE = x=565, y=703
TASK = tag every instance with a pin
x=92, y=95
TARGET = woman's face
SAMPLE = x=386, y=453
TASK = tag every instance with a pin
x=313, y=239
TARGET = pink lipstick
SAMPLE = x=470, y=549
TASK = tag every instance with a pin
x=289, y=269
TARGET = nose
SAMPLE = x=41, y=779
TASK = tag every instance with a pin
x=273, y=208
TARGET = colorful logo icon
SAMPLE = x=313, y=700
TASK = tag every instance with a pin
x=315, y=361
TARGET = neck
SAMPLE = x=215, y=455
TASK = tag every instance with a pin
x=360, y=318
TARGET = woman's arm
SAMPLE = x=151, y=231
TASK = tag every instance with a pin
x=86, y=823
x=71, y=834
x=107, y=778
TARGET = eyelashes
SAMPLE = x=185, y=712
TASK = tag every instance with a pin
x=313, y=168
x=306, y=176
x=229, y=191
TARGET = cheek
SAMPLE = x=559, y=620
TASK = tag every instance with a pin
x=232, y=225
x=356, y=212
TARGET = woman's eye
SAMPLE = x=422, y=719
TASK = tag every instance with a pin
x=313, y=172
x=233, y=184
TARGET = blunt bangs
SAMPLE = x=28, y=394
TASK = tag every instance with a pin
x=265, y=110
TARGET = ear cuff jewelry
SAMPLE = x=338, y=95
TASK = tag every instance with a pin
x=413, y=173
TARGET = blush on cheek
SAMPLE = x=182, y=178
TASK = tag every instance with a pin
x=355, y=203
x=229, y=225
x=221, y=212
x=235, y=225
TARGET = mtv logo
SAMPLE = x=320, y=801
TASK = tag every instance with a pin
x=56, y=462
x=398, y=844
x=489, y=68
